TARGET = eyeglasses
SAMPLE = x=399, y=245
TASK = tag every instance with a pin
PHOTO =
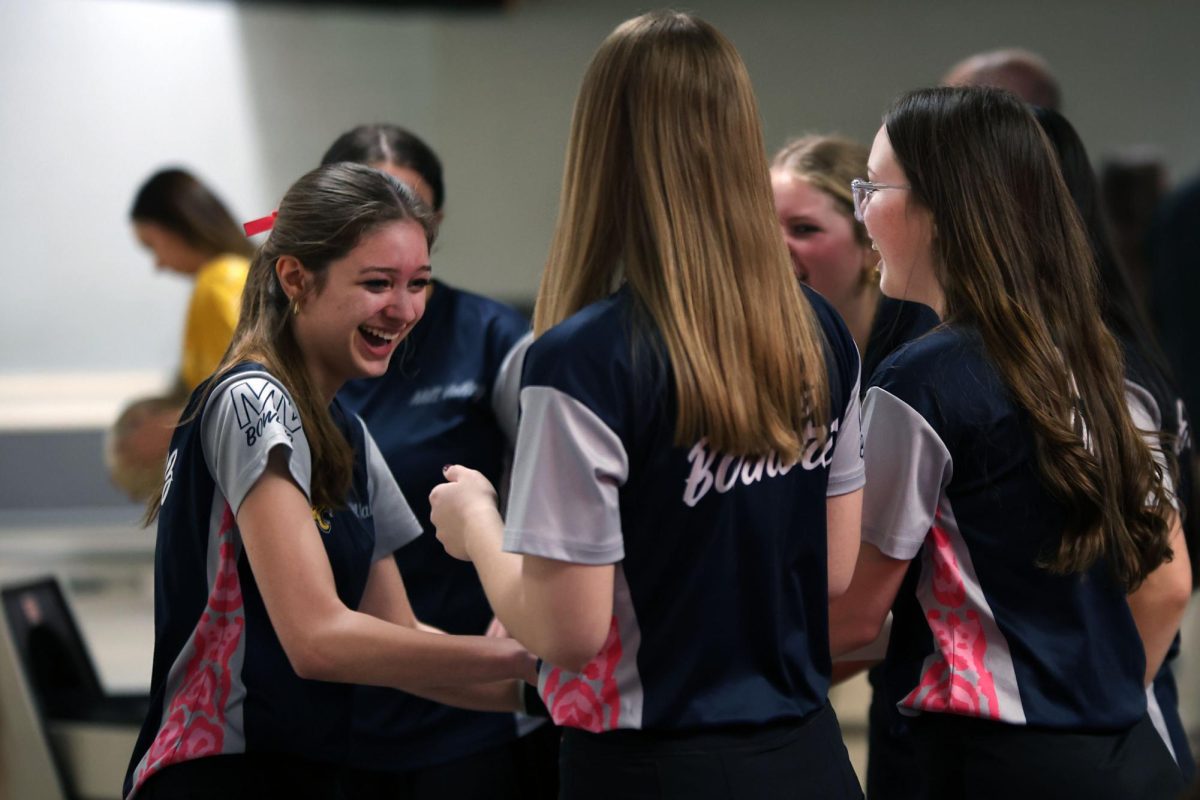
x=862, y=191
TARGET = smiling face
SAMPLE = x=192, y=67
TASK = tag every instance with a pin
x=349, y=326
x=902, y=230
x=820, y=238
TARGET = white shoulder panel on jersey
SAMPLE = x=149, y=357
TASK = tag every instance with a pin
x=395, y=523
x=246, y=416
x=569, y=466
x=1143, y=408
x=908, y=468
x=846, y=472
x=506, y=391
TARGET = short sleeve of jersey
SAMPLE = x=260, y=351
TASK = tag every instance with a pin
x=569, y=463
x=908, y=465
x=844, y=368
x=246, y=417
x=1144, y=411
x=846, y=469
x=506, y=391
x=395, y=523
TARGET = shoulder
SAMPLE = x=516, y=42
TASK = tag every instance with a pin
x=223, y=269
x=590, y=358
x=595, y=337
x=896, y=322
x=937, y=352
x=945, y=369
x=251, y=395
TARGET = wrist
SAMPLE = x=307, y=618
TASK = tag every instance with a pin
x=485, y=533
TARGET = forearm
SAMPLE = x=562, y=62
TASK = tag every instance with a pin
x=859, y=618
x=1159, y=604
x=500, y=575
x=351, y=647
x=560, y=611
x=496, y=696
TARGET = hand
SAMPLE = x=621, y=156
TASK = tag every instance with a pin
x=524, y=661
x=530, y=671
x=496, y=629
x=464, y=509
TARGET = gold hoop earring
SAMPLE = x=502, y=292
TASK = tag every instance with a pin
x=295, y=308
x=871, y=274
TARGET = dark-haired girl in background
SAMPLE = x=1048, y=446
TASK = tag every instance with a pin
x=1148, y=373
x=448, y=397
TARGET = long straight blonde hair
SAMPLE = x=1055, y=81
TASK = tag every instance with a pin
x=666, y=186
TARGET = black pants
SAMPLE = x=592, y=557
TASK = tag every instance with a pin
x=244, y=777
x=972, y=759
x=524, y=769
x=893, y=772
x=793, y=759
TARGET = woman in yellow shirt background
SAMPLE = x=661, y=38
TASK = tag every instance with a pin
x=190, y=232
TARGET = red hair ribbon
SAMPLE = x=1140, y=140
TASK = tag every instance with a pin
x=256, y=226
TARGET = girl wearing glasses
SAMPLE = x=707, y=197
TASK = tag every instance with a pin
x=811, y=179
x=275, y=586
x=686, y=484
x=1001, y=453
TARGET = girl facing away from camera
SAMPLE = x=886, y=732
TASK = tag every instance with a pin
x=687, y=481
x=275, y=586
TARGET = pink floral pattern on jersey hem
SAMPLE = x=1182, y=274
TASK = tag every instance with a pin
x=195, y=720
x=958, y=680
x=591, y=700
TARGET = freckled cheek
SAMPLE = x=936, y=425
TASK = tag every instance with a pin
x=418, y=306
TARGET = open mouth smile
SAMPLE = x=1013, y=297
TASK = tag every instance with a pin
x=377, y=337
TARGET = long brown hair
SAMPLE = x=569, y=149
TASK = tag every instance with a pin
x=666, y=185
x=1015, y=264
x=323, y=216
x=383, y=143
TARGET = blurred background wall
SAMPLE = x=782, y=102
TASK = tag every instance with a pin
x=99, y=93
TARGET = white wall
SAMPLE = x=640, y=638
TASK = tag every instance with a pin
x=99, y=93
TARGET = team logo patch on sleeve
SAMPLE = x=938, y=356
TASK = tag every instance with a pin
x=260, y=404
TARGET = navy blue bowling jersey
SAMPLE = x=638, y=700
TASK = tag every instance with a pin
x=448, y=397
x=720, y=607
x=978, y=629
x=221, y=681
